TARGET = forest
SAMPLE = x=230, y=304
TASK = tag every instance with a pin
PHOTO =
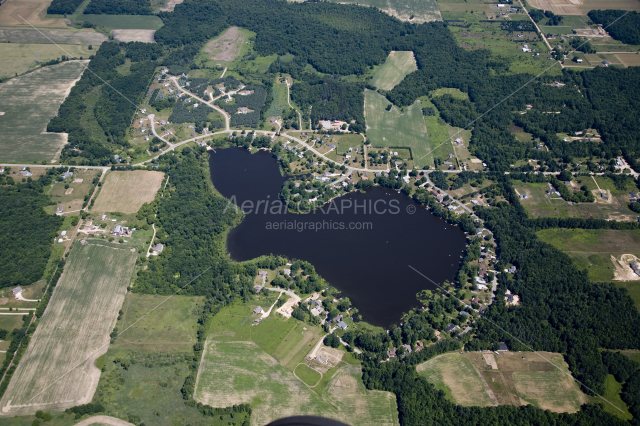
x=254, y=101
x=113, y=110
x=119, y=7
x=63, y=7
x=185, y=112
x=627, y=24
x=26, y=231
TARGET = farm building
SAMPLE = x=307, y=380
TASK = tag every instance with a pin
x=258, y=310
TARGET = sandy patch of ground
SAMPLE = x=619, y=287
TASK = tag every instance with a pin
x=145, y=36
x=103, y=420
x=227, y=46
x=490, y=359
x=623, y=271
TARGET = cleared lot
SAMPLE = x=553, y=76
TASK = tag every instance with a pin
x=28, y=103
x=394, y=70
x=57, y=371
x=126, y=192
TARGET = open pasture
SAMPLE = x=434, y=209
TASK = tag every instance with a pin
x=415, y=11
x=126, y=192
x=582, y=7
x=28, y=103
x=52, y=36
x=57, y=371
x=20, y=58
x=14, y=13
x=523, y=378
x=397, y=66
x=240, y=372
x=223, y=49
x=125, y=22
x=396, y=128
x=170, y=327
x=455, y=375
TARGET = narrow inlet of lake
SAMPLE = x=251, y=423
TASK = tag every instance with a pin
x=360, y=243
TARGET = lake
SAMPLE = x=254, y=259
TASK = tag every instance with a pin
x=360, y=243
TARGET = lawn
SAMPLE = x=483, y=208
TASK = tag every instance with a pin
x=159, y=324
x=20, y=58
x=240, y=372
x=76, y=190
x=73, y=331
x=397, y=66
x=457, y=378
x=419, y=10
x=28, y=103
x=396, y=128
x=307, y=374
x=126, y=192
x=279, y=102
x=125, y=22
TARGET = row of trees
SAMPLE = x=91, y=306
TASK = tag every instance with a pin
x=119, y=7
x=63, y=7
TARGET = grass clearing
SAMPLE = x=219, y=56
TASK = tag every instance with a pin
x=415, y=11
x=225, y=48
x=307, y=374
x=612, y=391
x=20, y=58
x=592, y=249
x=34, y=12
x=279, y=103
x=240, y=372
x=28, y=103
x=397, y=66
x=126, y=192
x=73, y=330
x=457, y=378
x=396, y=128
x=125, y=22
x=168, y=328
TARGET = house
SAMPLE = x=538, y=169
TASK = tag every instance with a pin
x=407, y=347
x=447, y=163
x=158, y=248
x=451, y=155
x=419, y=345
x=257, y=288
x=258, y=310
x=118, y=230
x=342, y=325
x=322, y=359
x=480, y=280
x=450, y=328
x=316, y=311
x=337, y=319
x=512, y=270
x=503, y=347
x=163, y=122
x=59, y=209
x=391, y=353
x=578, y=60
x=243, y=110
x=287, y=271
x=475, y=300
x=263, y=273
x=104, y=216
x=25, y=173
x=464, y=313
x=17, y=292
x=458, y=140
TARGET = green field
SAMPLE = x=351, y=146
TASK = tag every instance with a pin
x=28, y=103
x=125, y=22
x=559, y=30
x=612, y=391
x=397, y=66
x=307, y=374
x=73, y=330
x=420, y=11
x=170, y=327
x=20, y=58
x=396, y=128
x=279, y=103
x=240, y=372
x=438, y=131
x=592, y=249
x=457, y=378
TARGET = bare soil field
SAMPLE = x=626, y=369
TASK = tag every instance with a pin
x=126, y=192
x=28, y=103
x=227, y=46
x=170, y=5
x=582, y=7
x=145, y=36
x=29, y=36
x=33, y=11
x=523, y=378
x=57, y=370
x=629, y=60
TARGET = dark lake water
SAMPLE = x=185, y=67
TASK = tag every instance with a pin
x=369, y=265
